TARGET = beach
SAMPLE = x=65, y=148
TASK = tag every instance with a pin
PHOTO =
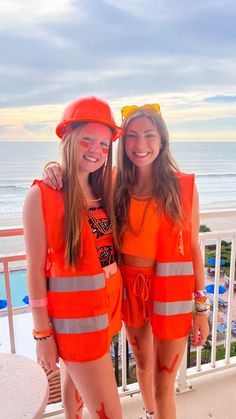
x=219, y=223
x=12, y=245
x=16, y=244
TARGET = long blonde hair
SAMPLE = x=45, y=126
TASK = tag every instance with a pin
x=74, y=199
x=166, y=189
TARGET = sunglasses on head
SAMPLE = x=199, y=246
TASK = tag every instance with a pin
x=128, y=110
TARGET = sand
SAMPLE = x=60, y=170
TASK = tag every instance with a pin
x=220, y=223
x=11, y=245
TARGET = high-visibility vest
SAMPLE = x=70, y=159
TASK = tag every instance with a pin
x=173, y=284
x=77, y=297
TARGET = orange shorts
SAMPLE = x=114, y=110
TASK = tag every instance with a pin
x=114, y=292
x=137, y=295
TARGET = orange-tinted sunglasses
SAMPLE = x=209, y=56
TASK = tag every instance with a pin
x=128, y=110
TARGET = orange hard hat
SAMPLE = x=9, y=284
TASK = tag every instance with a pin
x=88, y=109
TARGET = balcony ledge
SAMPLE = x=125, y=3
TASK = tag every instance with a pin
x=214, y=396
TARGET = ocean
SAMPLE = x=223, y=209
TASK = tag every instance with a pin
x=20, y=162
x=214, y=164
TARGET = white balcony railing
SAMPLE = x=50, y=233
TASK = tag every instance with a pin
x=184, y=374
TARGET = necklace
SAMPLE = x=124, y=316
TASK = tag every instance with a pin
x=140, y=197
x=93, y=200
x=100, y=225
x=137, y=232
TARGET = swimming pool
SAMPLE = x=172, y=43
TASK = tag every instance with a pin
x=18, y=287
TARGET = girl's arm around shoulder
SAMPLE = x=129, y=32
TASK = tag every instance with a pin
x=52, y=175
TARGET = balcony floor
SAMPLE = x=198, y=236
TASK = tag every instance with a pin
x=214, y=397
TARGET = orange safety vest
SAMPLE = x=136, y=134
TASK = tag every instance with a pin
x=173, y=284
x=77, y=297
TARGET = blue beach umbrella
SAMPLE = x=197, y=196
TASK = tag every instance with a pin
x=3, y=304
x=212, y=261
x=210, y=288
x=26, y=299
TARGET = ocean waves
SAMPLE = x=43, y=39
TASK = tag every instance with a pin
x=213, y=163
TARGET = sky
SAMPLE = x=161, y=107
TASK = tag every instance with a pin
x=180, y=54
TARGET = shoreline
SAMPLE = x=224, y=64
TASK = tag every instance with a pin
x=217, y=223
x=15, y=244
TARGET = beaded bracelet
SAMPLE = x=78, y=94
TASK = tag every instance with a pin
x=201, y=302
x=41, y=339
x=202, y=307
x=43, y=334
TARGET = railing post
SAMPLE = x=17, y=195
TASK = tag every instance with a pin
x=123, y=359
x=199, y=351
x=215, y=307
x=230, y=303
x=9, y=308
x=182, y=384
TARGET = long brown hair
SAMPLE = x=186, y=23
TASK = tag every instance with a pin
x=74, y=199
x=166, y=188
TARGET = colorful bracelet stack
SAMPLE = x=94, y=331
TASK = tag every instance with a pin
x=43, y=335
x=201, y=302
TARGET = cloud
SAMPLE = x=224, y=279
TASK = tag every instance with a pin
x=188, y=116
x=30, y=19
x=221, y=99
x=137, y=74
x=164, y=11
x=18, y=132
x=16, y=15
x=180, y=54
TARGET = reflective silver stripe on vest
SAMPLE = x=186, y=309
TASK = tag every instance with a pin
x=77, y=283
x=172, y=308
x=83, y=325
x=174, y=268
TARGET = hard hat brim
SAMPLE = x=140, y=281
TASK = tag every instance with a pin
x=64, y=127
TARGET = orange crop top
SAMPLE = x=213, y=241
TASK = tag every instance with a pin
x=141, y=239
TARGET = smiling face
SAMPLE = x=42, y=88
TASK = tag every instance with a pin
x=92, y=146
x=142, y=141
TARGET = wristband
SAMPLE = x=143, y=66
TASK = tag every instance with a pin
x=37, y=339
x=43, y=334
x=200, y=293
x=202, y=307
x=39, y=302
x=200, y=299
x=205, y=312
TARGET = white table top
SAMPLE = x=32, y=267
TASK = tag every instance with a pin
x=23, y=388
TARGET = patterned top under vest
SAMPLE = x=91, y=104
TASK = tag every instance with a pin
x=102, y=232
